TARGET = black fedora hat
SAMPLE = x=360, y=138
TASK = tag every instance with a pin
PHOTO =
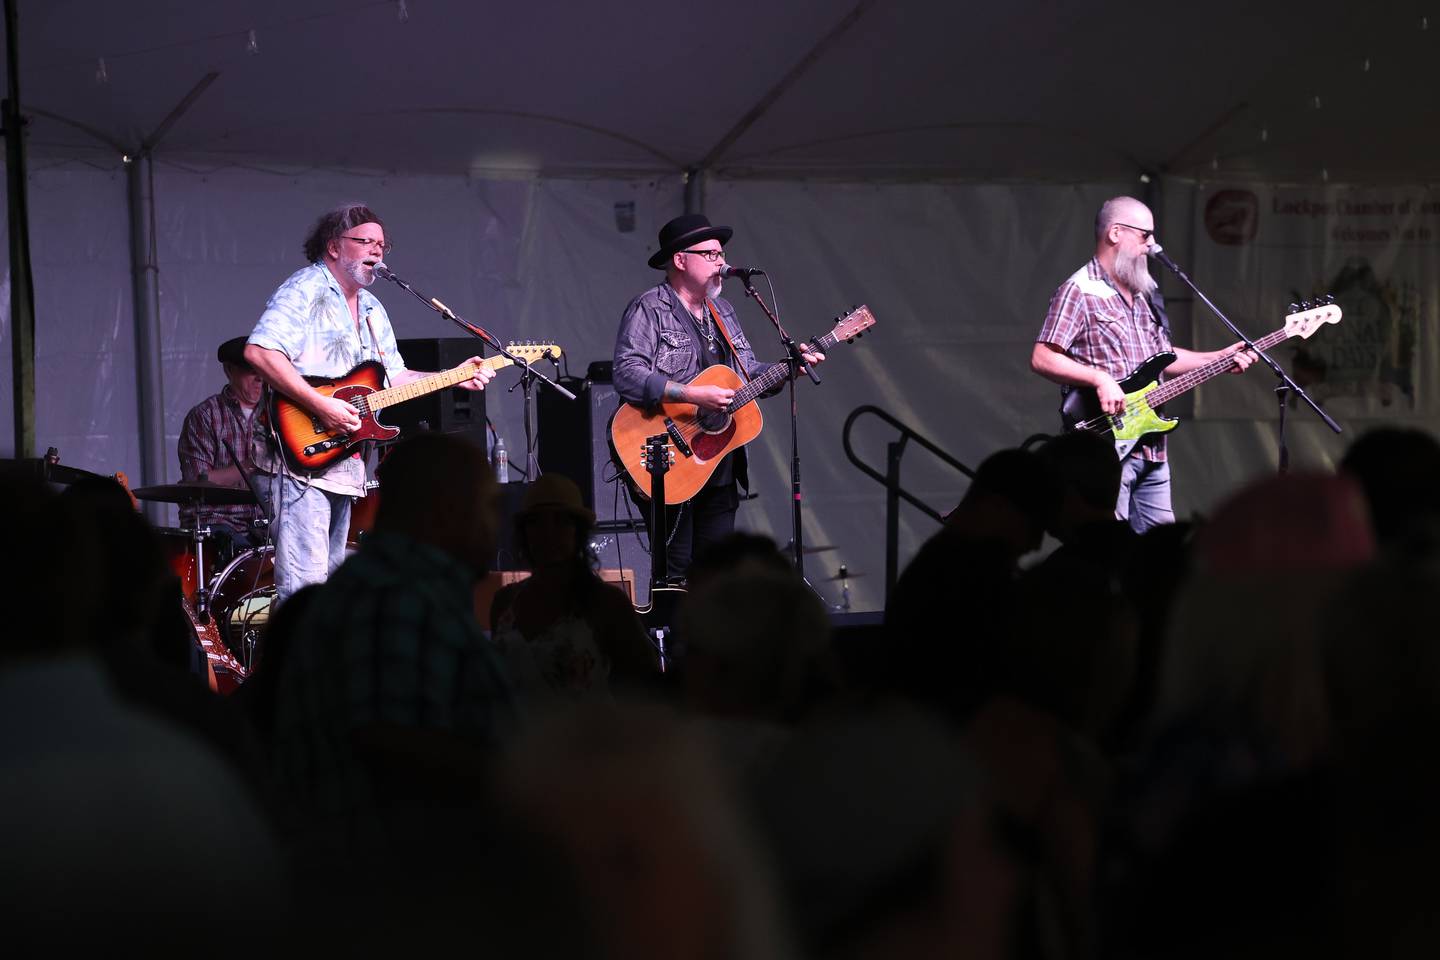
x=684, y=230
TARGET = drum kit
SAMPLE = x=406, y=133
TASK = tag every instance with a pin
x=228, y=608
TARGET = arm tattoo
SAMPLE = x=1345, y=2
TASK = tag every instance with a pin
x=674, y=392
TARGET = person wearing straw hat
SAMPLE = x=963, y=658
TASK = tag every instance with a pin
x=564, y=632
x=670, y=333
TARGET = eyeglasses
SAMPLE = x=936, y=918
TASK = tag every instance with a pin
x=1145, y=235
x=380, y=245
x=711, y=256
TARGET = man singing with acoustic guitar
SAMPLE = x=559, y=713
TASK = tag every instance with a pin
x=668, y=335
x=1103, y=323
x=323, y=322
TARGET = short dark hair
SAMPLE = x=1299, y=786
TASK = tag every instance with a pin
x=333, y=223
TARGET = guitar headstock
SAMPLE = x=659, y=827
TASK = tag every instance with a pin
x=656, y=455
x=853, y=324
x=1309, y=315
x=531, y=351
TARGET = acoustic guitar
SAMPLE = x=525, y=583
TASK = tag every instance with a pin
x=308, y=447
x=702, y=438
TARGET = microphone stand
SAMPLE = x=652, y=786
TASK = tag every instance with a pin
x=526, y=384
x=796, y=364
x=528, y=373
x=1286, y=385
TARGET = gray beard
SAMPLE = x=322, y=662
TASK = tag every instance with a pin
x=355, y=269
x=1134, y=272
x=712, y=289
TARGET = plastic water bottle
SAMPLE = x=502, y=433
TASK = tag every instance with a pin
x=502, y=462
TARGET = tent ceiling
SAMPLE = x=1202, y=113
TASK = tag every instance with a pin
x=1033, y=89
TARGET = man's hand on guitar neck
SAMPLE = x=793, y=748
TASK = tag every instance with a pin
x=702, y=395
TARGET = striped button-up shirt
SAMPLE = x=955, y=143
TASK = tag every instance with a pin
x=1092, y=323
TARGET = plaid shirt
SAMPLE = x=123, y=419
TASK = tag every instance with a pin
x=1091, y=322
x=391, y=639
x=213, y=428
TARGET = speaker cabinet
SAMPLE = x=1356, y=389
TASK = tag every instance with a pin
x=573, y=440
x=451, y=410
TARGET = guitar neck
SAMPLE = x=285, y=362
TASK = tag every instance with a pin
x=435, y=381
x=1171, y=389
x=775, y=374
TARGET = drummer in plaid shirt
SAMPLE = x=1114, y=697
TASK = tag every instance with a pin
x=1103, y=322
x=216, y=431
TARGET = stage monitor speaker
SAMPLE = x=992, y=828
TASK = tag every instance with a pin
x=451, y=410
x=574, y=441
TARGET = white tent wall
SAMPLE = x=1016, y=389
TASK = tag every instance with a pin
x=958, y=276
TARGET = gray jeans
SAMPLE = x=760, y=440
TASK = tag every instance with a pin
x=310, y=530
x=1144, y=494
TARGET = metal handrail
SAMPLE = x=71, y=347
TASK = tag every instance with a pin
x=890, y=479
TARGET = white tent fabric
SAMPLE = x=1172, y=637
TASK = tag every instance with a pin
x=958, y=276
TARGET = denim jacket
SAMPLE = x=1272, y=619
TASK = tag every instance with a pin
x=658, y=341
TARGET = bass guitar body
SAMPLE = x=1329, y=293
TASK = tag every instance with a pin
x=1138, y=420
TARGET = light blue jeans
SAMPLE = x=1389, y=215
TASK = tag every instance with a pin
x=310, y=530
x=1144, y=494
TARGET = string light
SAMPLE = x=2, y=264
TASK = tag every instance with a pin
x=102, y=75
x=1316, y=101
x=1365, y=65
x=252, y=43
x=402, y=11
x=1215, y=162
x=1424, y=23
x=1264, y=134
x=1324, y=174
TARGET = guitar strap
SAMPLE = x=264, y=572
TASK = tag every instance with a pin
x=734, y=354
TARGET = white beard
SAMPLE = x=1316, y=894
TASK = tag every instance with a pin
x=358, y=272
x=712, y=288
x=1134, y=272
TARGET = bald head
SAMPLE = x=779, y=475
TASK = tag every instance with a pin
x=1125, y=210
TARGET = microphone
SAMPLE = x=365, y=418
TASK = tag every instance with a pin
x=742, y=273
x=382, y=271
x=1158, y=254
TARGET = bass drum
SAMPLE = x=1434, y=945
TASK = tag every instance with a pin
x=241, y=599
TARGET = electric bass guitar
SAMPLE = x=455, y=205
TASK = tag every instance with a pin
x=702, y=438
x=308, y=447
x=1144, y=393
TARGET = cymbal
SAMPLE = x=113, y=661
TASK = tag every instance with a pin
x=195, y=491
x=806, y=550
x=53, y=472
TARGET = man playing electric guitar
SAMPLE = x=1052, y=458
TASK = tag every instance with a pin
x=667, y=336
x=322, y=322
x=1103, y=322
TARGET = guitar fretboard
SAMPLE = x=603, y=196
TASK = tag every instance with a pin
x=775, y=374
x=381, y=399
x=1171, y=389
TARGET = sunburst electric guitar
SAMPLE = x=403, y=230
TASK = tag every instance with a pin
x=1144, y=393
x=702, y=438
x=309, y=447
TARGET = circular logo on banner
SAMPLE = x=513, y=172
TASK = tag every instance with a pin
x=1232, y=216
